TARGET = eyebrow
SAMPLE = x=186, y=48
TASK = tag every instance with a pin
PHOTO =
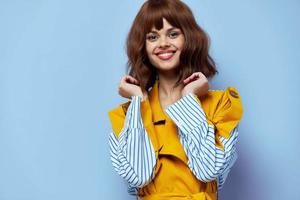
x=170, y=29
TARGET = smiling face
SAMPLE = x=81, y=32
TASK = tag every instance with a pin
x=164, y=47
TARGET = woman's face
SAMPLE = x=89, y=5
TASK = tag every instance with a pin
x=164, y=47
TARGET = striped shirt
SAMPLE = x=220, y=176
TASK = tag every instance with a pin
x=133, y=156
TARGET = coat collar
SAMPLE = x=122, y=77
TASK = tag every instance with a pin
x=158, y=115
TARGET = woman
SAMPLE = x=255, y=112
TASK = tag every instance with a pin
x=174, y=139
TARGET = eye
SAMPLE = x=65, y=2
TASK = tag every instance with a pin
x=152, y=37
x=173, y=34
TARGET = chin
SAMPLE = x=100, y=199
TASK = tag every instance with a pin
x=166, y=68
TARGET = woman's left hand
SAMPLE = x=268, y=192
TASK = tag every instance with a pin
x=197, y=84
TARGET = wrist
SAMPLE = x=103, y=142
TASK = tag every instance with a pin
x=143, y=97
x=186, y=92
x=137, y=92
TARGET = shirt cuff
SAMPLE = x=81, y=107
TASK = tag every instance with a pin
x=187, y=113
x=133, y=115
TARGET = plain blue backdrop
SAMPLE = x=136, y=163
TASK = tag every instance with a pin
x=61, y=62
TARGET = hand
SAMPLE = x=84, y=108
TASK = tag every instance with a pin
x=197, y=84
x=129, y=86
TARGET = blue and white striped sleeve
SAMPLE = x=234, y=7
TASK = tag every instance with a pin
x=207, y=161
x=132, y=153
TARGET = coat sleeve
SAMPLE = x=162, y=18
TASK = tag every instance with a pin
x=132, y=153
x=207, y=160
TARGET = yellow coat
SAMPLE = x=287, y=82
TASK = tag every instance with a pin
x=173, y=178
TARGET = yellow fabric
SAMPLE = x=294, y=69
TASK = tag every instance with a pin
x=173, y=196
x=173, y=178
x=223, y=110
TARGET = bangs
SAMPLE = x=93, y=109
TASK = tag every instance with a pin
x=156, y=11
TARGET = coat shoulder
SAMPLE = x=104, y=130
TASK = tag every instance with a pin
x=223, y=109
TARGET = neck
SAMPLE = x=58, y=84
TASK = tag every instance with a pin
x=166, y=86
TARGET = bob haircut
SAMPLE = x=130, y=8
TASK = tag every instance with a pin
x=194, y=56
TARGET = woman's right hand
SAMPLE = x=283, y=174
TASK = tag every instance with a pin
x=129, y=86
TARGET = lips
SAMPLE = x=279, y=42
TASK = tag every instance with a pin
x=165, y=55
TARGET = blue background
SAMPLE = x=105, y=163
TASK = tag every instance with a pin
x=60, y=65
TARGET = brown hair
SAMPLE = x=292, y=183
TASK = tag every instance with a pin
x=194, y=56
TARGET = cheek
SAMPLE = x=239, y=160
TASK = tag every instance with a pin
x=180, y=43
x=149, y=50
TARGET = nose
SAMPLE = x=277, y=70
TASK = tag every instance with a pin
x=164, y=42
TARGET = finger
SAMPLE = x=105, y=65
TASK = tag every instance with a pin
x=201, y=75
x=195, y=77
x=129, y=79
x=125, y=78
x=190, y=78
x=196, y=74
x=135, y=81
x=132, y=80
x=187, y=80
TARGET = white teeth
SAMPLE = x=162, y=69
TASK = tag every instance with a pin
x=165, y=54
